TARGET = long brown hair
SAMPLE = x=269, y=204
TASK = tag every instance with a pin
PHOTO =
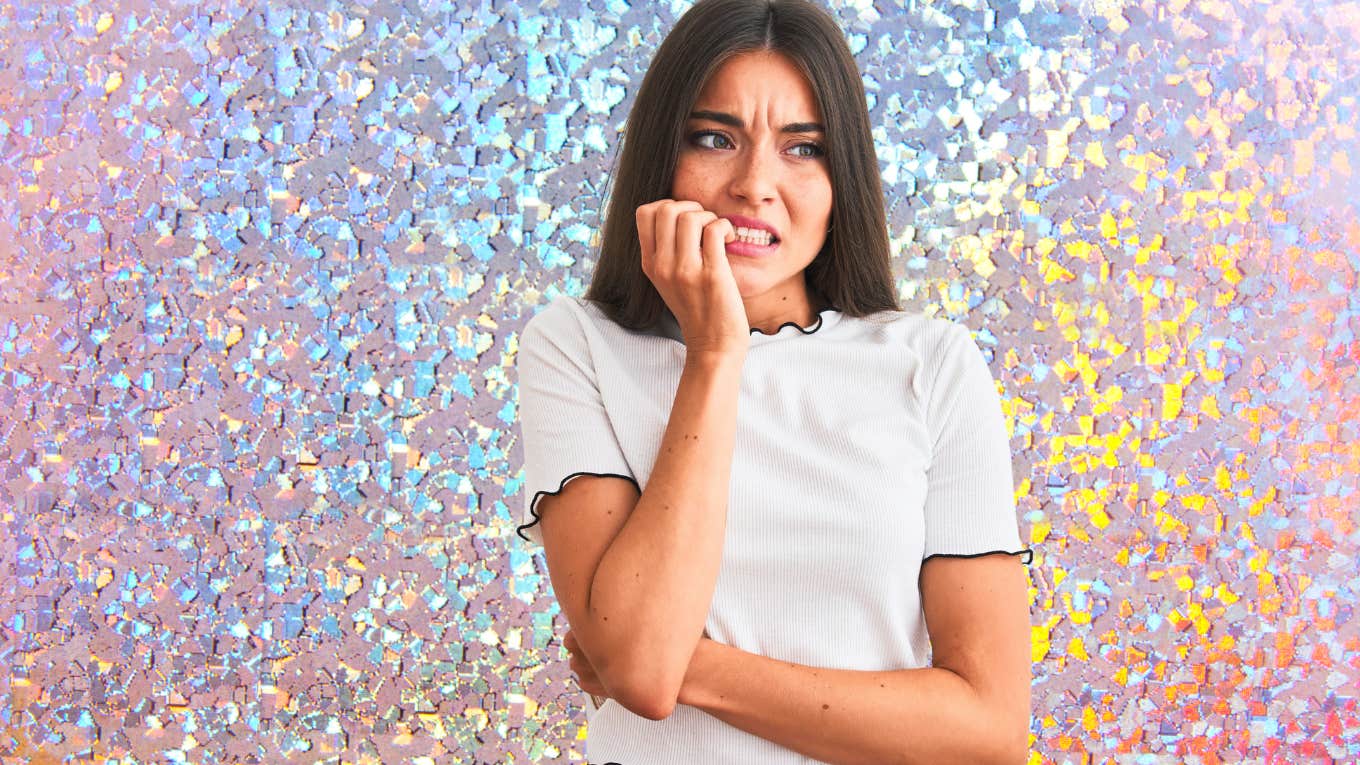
x=853, y=271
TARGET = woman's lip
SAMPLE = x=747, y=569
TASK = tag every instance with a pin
x=746, y=222
x=738, y=247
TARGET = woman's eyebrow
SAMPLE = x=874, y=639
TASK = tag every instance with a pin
x=735, y=121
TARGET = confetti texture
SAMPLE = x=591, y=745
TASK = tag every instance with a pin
x=263, y=269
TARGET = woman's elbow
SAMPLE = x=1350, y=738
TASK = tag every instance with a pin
x=645, y=704
x=655, y=711
x=646, y=696
x=1017, y=752
x=1012, y=746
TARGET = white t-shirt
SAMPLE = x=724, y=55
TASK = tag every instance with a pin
x=863, y=447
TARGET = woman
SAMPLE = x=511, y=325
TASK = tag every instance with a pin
x=766, y=495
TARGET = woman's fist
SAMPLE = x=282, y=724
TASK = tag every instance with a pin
x=583, y=669
x=684, y=254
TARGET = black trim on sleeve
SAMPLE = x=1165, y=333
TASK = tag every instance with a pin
x=1027, y=561
x=534, y=504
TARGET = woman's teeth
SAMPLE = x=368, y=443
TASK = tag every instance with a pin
x=753, y=235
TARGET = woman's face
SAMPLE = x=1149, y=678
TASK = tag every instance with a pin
x=754, y=147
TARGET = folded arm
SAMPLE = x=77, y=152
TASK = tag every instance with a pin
x=972, y=706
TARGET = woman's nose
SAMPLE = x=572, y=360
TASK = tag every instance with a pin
x=755, y=174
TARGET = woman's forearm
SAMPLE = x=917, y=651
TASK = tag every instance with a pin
x=654, y=586
x=853, y=717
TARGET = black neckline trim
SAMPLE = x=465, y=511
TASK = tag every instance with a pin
x=815, y=327
x=1026, y=561
x=670, y=329
x=533, y=505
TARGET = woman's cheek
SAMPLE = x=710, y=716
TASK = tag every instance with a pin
x=687, y=183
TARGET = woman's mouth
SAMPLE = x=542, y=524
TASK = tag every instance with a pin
x=755, y=236
x=752, y=242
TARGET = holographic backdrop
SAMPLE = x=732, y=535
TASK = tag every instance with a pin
x=264, y=269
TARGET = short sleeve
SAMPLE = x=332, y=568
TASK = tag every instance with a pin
x=970, y=494
x=564, y=428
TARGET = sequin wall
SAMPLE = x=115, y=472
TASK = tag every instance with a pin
x=264, y=269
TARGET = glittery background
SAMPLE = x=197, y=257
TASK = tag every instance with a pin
x=264, y=267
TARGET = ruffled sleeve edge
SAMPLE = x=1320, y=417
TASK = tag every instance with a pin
x=1027, y=552
x=533, y=505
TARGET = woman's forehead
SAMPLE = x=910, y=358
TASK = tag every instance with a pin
x=755, y=84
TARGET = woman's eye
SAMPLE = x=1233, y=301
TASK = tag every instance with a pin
x=698, y=138
x=720, y=141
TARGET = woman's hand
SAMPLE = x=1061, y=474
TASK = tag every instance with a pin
x=684, y=254
x=584, y=670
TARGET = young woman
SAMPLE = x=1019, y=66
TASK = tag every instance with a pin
x=777, y=511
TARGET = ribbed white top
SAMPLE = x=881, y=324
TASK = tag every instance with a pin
x=863, y=447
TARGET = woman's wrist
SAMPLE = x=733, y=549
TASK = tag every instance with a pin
x=692, y=687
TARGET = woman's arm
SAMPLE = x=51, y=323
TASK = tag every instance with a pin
x=654, y=585
x=972, y=706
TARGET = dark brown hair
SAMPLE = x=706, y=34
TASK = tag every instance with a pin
x=853, y=271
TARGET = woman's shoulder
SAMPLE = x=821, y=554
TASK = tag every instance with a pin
x=578, y=324
x=559, y=305
x=563, y=307
x=917, y=329
x=561, y=312
x=556, y=324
